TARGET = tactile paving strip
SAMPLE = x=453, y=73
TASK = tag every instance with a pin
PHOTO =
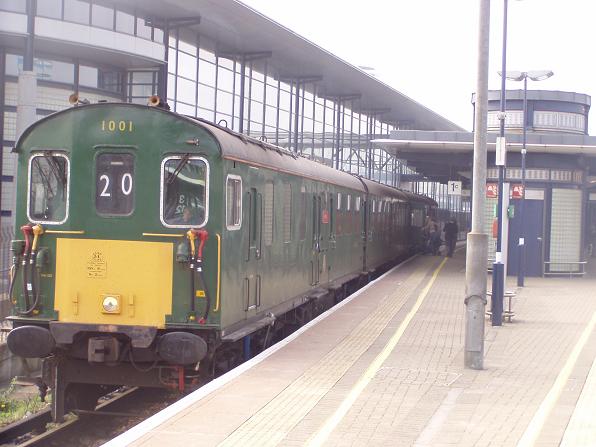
x=270, y=425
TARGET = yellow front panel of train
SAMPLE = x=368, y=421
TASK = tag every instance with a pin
x=113, y=282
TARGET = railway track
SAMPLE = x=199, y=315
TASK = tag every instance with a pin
x=114, y=414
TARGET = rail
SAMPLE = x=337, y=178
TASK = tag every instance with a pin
x=16, y=433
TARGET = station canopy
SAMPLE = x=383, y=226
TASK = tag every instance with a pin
x=238, y=29
x=442, y=156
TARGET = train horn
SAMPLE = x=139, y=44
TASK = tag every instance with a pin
x=75, y=100
x=156, y=101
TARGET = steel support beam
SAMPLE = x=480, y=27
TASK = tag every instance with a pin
x=339, y=128
x=29, y=41
x=339, y=100
x=243, y=59
x=371, y=116
x=166, y=26
x=27, y=83
x=299, y=83
x=241, y=106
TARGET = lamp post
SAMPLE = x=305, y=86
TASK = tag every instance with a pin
x=535, y=75
x=498, y=284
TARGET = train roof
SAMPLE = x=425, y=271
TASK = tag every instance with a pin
x=240, y=147
x=283, y=160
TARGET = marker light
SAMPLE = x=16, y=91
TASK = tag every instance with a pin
x=111, y=305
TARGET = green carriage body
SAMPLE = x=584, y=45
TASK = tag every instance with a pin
x=282, y=230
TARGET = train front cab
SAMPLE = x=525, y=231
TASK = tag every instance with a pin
x=105, y=285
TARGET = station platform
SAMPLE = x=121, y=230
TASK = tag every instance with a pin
x=386, y=368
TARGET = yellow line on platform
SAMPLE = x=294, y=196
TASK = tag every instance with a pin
x=535, y=427
x=323, y=433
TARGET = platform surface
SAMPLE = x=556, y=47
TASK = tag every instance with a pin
x=387, y=369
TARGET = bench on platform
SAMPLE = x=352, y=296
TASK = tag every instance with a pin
x=571, y=271
x=507, y=313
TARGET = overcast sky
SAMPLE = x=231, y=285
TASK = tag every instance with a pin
x=427, y=49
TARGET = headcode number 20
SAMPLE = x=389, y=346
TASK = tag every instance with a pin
x=125, y=185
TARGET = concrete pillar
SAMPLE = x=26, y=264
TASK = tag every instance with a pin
x=26, y=114
x=26, y=101
x=477, y=246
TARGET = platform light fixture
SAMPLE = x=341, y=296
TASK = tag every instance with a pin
x=498, y=283
x=534, y=75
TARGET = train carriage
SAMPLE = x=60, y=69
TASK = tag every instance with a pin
x=155, y=245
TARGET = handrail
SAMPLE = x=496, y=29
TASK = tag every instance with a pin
x=581, y=268
x=218, y=272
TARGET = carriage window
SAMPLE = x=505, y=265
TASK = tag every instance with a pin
x=303, y=203
x=348, y=202
x=48, y=188
x=233, y=202
x=357, y=204
x=339, y=201
x=114, y=184
x=287, y=223
x=184, y=192
x=268, y=214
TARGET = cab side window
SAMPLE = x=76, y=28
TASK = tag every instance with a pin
x=233, y=202
x=184, y=200
x=48, y=188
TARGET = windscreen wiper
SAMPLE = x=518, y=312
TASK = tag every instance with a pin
x=60, y=169
x=56, y=168
x=179, y=167
x=44, y=178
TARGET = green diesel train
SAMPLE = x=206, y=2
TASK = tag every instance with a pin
x=157, y=247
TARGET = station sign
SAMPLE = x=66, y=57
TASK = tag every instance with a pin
x=517, y=191
x=454, y=188
x=492, y=190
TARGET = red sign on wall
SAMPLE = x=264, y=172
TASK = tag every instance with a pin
x=492, y=190
x=517, y=191
x=325, y=217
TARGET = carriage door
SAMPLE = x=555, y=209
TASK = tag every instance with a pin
x=316, y=239
x=364, y=233
x=251, y=287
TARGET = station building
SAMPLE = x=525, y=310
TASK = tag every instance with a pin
x=560, y=196
x=221, y=61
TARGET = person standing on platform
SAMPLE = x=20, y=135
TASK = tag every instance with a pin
x=426, y=234
x=450, y=228
x=434, y=237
